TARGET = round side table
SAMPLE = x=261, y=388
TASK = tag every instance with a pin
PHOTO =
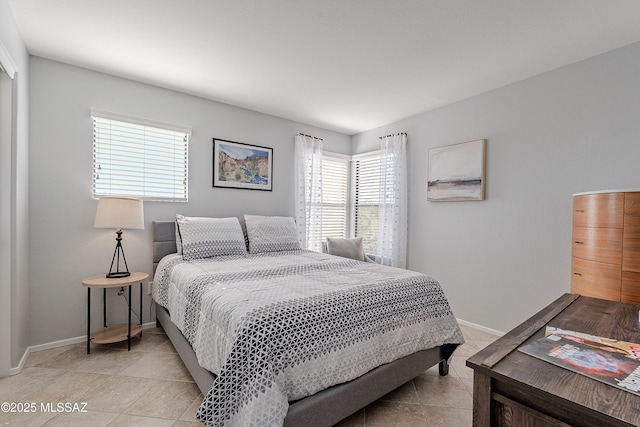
x=113, y=333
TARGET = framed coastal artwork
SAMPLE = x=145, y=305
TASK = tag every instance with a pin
x=238, y=165
x=456, y=172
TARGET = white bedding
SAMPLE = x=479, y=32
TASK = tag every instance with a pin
x=281, y=326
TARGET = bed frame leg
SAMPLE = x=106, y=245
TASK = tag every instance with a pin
x=443, y=367
x=157, y=323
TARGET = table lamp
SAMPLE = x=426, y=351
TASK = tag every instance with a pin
x=119, y=213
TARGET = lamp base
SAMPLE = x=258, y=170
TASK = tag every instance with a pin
x=118, y=274
x=116, y=258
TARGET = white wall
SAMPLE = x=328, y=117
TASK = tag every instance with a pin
x=501, y=260
x=570, y=130
x=64, y=246
x=19, y=209
x=6, y=101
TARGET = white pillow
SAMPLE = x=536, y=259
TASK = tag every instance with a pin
x=271, y=234
x=210, y=237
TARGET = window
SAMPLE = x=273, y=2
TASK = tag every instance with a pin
x=335, y=186
x=365, y=196
x=360, y=189
x=139, y=158
x=366, y=184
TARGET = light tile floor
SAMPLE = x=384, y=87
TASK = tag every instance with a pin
x=149, y=386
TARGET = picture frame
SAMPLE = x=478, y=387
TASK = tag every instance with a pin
x=456, y=172
x=243, y=166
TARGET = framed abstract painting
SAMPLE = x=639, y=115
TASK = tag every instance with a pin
x=456, y=171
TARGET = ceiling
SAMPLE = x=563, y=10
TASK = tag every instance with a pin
x=344, y=65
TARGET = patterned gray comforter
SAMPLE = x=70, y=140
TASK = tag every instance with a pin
x=281, y=326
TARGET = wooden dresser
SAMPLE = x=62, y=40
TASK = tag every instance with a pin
x=605, y=259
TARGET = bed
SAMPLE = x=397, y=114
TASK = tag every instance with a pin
x=320, y=399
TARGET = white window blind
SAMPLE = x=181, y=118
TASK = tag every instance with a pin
x=366, y=194
x=335, y=186
x=140, y=158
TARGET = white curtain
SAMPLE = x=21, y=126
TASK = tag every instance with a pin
x=308, y=196
x=392, y=214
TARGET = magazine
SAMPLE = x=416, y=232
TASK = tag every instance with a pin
x=628, y=349
x=613, y=368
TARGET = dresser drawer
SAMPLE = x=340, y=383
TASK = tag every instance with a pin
x=631, y=242
x=599, y=210
x=598, y=244
x=631, y=254
x=630, y=290
x=632, y=204
x=509, y=413
x=595, y=279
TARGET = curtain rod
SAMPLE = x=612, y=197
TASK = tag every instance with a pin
x=311, y=136
x=392, y=134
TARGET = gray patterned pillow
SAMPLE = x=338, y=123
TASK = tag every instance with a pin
x=210, y=237
x=271, y=234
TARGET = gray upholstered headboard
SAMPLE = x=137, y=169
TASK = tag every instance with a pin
x=164, y=241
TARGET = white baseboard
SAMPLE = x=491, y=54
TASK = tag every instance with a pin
x=23, y=360
x=480, y=327
x=54, y=344
x=83, y=339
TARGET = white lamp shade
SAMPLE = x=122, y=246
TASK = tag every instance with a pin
x=119, y=212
